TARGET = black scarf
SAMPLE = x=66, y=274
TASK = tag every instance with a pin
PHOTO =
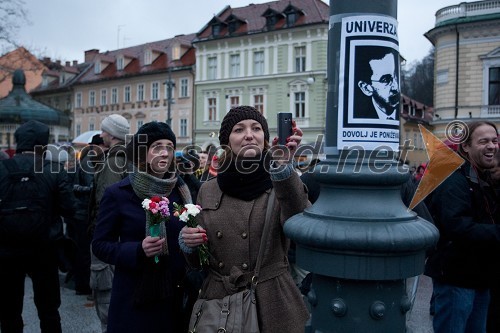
x=245, y=179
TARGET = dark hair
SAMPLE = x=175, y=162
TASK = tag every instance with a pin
x=471, y=128
x=365, y=54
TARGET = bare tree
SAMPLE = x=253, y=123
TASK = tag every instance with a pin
x=12, y=15
x=418, y=81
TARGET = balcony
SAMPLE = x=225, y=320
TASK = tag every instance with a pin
x=467, y=10
x=490, y=111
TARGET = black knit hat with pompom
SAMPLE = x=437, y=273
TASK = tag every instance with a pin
x=237, y=114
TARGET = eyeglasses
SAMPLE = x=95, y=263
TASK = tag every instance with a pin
x=157, y=150
x=386, y=80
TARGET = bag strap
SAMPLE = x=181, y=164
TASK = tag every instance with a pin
x=224, y=314
x=264, y=238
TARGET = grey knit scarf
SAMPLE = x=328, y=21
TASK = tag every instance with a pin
x=146, y=186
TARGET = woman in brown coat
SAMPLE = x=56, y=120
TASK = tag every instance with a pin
x=232, y=220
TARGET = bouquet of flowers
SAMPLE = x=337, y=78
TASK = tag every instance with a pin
x=157, y=212
x=187, y=214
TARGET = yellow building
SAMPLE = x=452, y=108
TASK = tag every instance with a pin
x=466, y=37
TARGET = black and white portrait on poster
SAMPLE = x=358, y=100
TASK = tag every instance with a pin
x=369, y=89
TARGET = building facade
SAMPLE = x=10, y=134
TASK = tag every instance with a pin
x=466, y=37
x=413, y=114
x=272, y=56
x=135, y=82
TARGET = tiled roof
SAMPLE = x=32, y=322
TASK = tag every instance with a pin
x=136, y=54
x=311, y=12
x=423, y=113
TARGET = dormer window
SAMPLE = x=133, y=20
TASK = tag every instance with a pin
x=97, y=67
x=62, y=78
x=215, y=30
x=148, y=57
x=120, y=63
x=291, y=18
x=176, y=52
x=233, y=26
x=292, y=15
x=271, y=22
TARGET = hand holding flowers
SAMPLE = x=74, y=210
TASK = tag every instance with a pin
x=157, y=213
x=187, y=214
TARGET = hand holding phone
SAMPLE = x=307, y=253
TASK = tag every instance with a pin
x=284, y=126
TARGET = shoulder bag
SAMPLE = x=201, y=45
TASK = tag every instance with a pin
x=235, y=313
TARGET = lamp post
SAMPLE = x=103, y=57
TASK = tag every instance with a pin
x=359, y=239
x=170, y=84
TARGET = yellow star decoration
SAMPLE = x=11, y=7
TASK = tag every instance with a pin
x=443, y=161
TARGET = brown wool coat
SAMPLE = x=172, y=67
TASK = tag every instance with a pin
x=234, y=229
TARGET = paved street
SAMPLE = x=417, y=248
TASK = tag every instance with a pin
x=78, y=314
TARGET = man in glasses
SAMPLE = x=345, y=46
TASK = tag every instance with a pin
x=377, y=76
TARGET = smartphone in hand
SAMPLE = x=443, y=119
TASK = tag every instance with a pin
x=284, y=126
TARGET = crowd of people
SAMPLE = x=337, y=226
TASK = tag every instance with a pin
x=145, y=281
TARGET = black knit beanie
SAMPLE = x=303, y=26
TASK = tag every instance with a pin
x=237, y=114
x=145, y=136
x=154, y=131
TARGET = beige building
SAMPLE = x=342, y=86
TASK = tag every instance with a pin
x=466, y=37
x=134, y=82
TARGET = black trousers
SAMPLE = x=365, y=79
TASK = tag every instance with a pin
x=78, y=231
x=41, y=266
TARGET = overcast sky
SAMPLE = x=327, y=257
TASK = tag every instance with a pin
x=63, y=29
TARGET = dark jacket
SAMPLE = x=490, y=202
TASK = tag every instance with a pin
x=82, y=186
x=118, y=237
x=464, y=210
x=53, y=186
x=110, y=171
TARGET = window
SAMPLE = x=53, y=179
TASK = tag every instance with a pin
x=140, y=92
x=184, y=88
x=494, y=86
x=126, y=94
x=258, y=63
x=300, y=104
x=140, y=123
x=104, y=97
x=176, y=52
x=258, y=103
x=114, y=96
x=235, y=65
x=78, y=129
x=270, y=22
x=183, y=130
x=148, y=56
x=234, y=101
x=97, y=67
x=92, y=98
x=155, y=88
x=120, y=63
x=78, y=100
x=212, y=109
x=212, y=68
x=91, y=126
x=233, y=26
x=291, y=17
x=300, y=59
x=215, y=30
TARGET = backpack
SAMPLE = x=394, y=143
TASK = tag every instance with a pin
x=22, y=217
